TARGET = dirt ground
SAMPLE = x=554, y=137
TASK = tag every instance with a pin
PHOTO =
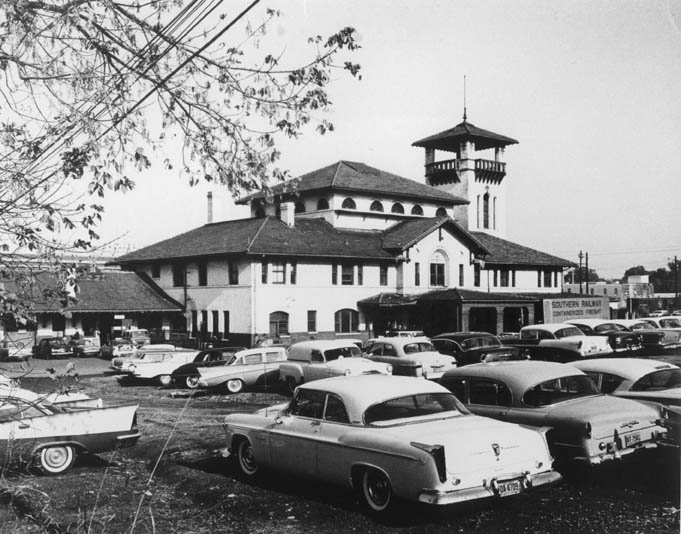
x=177, y=479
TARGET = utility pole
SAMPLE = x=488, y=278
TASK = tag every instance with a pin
x=580, y=256
x=676, y=283
x=587, y=272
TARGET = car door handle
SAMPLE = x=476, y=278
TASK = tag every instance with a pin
x=315, y=423
x=23, y=426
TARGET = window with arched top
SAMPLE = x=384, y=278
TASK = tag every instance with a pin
x=397, y=208
x=278, y=324
x=260, y=212
x=376, y=206
x=322, y=204
x=417, y=210
x=438, y=269
x=349, y=204
x=485, y=210
x=441, y=212
x=300, y=207
x=494, y=213
x=346, y=321
x=477, y=212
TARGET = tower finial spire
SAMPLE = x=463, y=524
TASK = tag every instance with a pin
x=464, y=98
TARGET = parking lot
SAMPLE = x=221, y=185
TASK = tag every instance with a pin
x=178, y=479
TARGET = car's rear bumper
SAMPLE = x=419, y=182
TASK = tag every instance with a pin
x=127, y=440
x=488, y=490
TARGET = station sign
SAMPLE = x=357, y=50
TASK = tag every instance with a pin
x=561, y=310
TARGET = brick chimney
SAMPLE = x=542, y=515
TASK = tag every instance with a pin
x=288, y=213
x=209, y=199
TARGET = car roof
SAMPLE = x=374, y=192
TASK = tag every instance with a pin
x=323, y=344
x=518, y=375
x=628, y=368
x=551, y=327
x=360, y=392
x=589, y=322
x=405, y=340
x=457, y=336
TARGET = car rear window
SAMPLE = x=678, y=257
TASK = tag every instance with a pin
x=412, y=407
x=657, y=380
x=413, y=348
x=346, y=352
x=560, y=390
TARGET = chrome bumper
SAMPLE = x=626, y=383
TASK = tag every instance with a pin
x=482, y=492
x=127, y=440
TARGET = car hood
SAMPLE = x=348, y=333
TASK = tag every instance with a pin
x=431, y=358
x=357, y=365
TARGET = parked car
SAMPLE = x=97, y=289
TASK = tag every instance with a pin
x=654, y=339
x=559, y=342
x=118, y=347
x=148, y=354
x=159, y=366
x=250, y=367
x=51, y=435
x=17, y=346
x=137, y=336
x=669, y=322
x=586, y=424
x=410, y=356
x=390, y=437
x=188, y=374
x=86, y=347
x=312, y=360
x=475, y=347
x=52, y=347
x=621, y=339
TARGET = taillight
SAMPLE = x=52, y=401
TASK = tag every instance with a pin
x=587, y=429
x=438, y=454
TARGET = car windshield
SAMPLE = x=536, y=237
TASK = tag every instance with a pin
x=483, y=341
x=657, y=380
x=422, y=346
x=567, y=332
x=559, y=390
x=345, y=352
x=670, y=323
x=411, y=408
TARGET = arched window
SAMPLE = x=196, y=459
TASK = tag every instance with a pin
x=397, y=208
x=494, y=213
x=349, y=204
x=438, y=269
x=376, y=206
x=477, y=212
x=485, y=210
x=323, y=204
x=300, y=207
x=260, y=212
x=441, y=212
x=278, y=324
x=346, y=321
x=417, y=210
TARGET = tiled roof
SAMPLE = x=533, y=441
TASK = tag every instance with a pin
x=449, y=140
x=269, y=235
x=405, y=234
x=358, y=177
x=503, y=252
x=110, y=291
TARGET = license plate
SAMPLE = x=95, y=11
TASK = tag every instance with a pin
x=631, y=439
x=510, y=487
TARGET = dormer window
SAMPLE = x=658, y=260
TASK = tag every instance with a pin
x=349, y=204
x=417, y=210
x=441, y=212
x=376, y=206
x=397, y=208
x=323, y=204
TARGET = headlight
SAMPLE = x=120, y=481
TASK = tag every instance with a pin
x=389, y=368
x=418, y=371
x=347, y=372
x=131, y=368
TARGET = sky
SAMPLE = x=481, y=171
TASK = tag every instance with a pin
x=590, y=89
